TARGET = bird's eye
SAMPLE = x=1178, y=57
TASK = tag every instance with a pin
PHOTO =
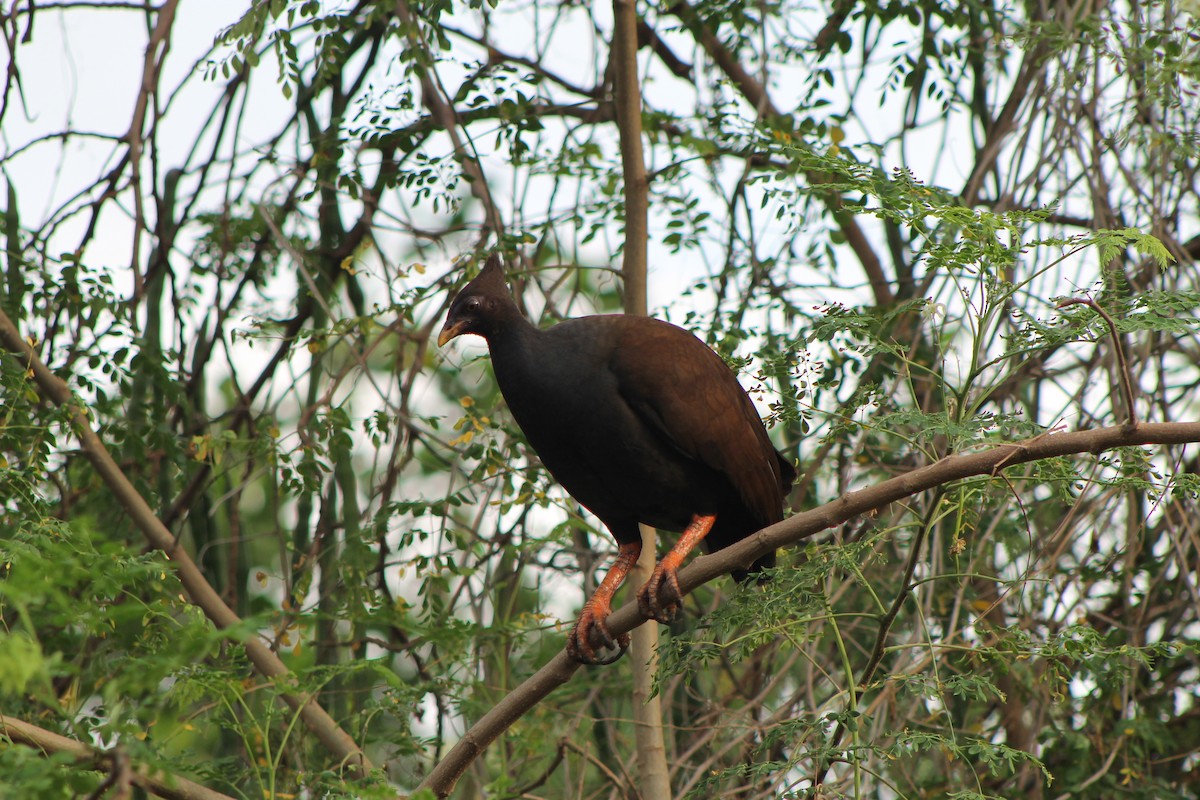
x=472, y=304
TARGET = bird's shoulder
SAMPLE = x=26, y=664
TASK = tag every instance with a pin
x=660, y=361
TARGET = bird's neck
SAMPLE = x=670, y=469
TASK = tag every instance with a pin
x=515, y=346
x=511, y=329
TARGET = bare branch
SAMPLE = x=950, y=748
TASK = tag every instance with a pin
x=653, y=775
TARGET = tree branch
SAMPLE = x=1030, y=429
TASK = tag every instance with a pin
x=157, y=783
x=1125, y=376
x=156, y=52
x=1029, y=77
x=337, y=741
x=757, y=95
x=633, y=162
x=703, y=569
x=653, y=775
x=446, y=117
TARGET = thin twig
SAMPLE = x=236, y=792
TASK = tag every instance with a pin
x=446, y=116
x=559, y=754
x=756, y=94
x=885, y=626
x=152, y=64
x=1126, y=377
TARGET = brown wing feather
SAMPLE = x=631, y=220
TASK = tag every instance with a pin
x=686, y=391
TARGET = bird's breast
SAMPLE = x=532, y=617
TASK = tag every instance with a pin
x=571, y=411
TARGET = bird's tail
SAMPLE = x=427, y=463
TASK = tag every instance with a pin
x=755, y=572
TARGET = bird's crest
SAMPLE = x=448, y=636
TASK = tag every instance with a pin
x=490, y=280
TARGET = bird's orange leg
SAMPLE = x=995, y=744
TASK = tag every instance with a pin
x=661, y=598
x=591, y=631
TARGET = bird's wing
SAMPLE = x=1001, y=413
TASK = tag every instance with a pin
x=680, y=387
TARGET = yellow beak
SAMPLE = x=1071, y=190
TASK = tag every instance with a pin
x=449, y=331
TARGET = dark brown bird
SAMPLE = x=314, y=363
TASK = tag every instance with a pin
x=640, y=422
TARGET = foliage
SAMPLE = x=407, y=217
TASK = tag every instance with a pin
x=873, y=211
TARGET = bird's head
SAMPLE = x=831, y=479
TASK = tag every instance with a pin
x=483, y=305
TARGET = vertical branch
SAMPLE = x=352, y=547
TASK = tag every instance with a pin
x=156, y=53
x=1125, y=374
x=628, y=101
x=653, y=778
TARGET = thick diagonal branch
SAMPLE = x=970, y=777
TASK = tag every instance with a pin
x=703, y=569
x=172, y=787
x=53, y=388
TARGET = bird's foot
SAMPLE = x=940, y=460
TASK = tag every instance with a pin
x=660, y=599
x=590, y=634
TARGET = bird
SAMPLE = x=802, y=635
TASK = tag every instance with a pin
x=639, y=421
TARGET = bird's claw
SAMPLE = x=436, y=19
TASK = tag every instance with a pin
x=660, y=599
x=591, y=633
